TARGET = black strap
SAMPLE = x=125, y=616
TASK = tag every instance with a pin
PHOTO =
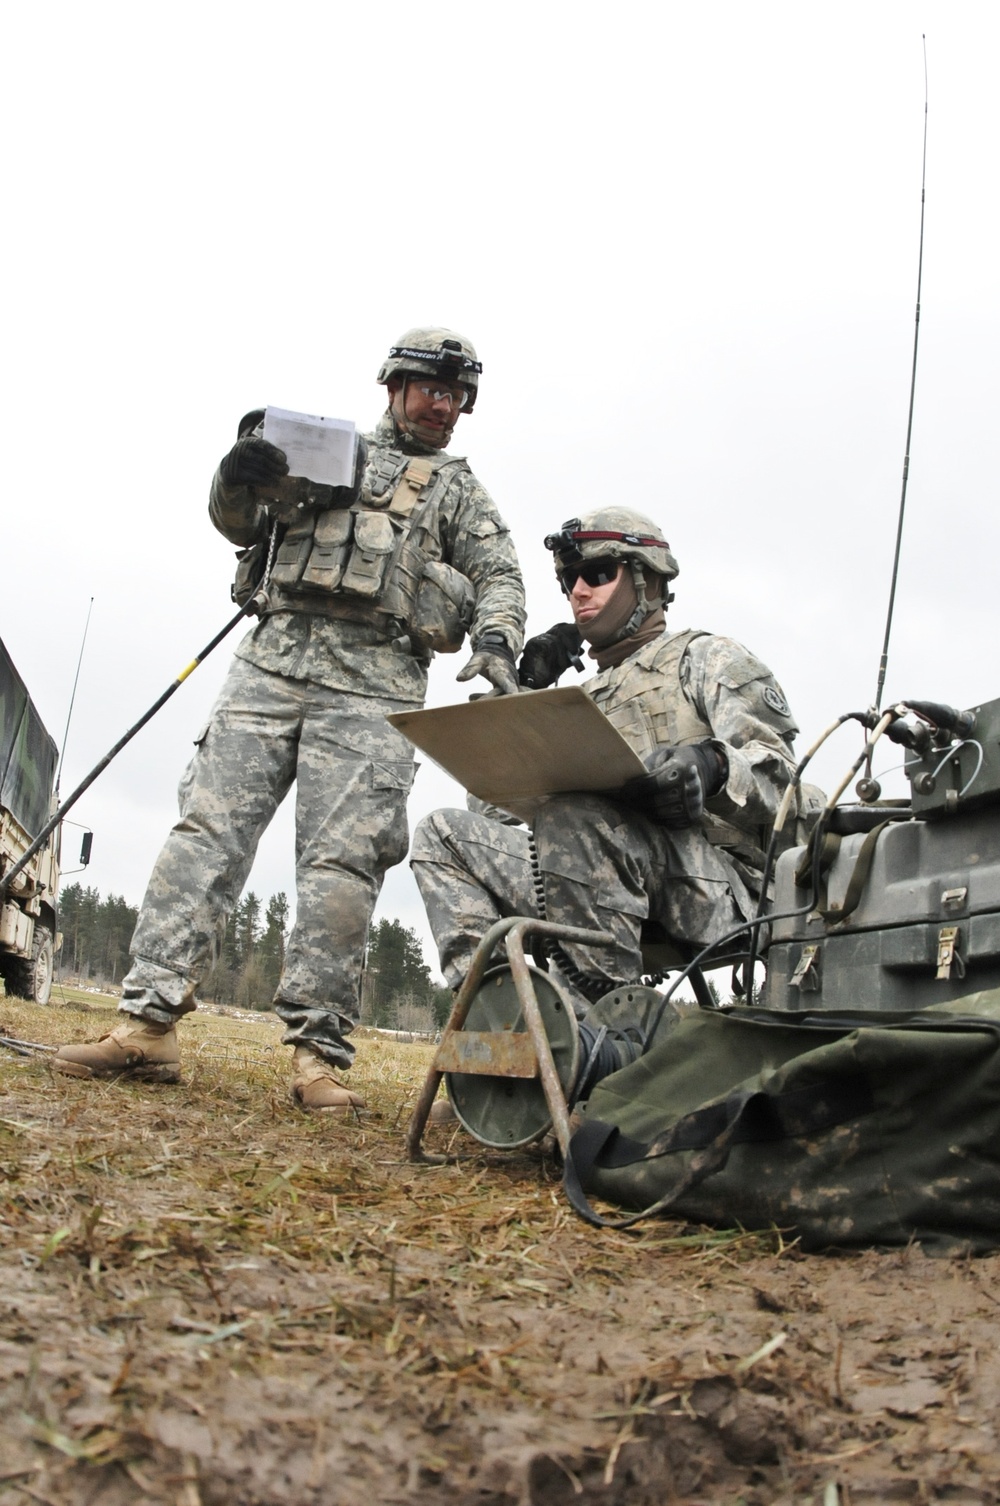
x=702, y=1165
x=829, y=847
x=746, y=1116
x=859, y=876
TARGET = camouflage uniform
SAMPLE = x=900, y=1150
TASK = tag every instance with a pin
x=305, y=701
x=605, y=866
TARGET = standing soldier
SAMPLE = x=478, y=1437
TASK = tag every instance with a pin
x=367, y=583
x=681, y=846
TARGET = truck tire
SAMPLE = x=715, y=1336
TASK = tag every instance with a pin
x=31, y=977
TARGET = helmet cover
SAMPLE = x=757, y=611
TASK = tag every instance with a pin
x=613, y=533
x=434, y=351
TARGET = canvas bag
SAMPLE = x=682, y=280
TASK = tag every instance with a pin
x=867, y=1128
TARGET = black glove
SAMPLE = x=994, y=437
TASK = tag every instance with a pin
x=252, y=461
x=546, y=656
x=679, y=782
x=495, y=662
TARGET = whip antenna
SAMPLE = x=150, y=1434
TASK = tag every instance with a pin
x=252, y=605
x=883, y=662
x=72, y=699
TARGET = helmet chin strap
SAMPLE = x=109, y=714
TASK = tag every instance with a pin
x=435, y=439
x=642, y=606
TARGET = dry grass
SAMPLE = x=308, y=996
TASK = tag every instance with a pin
x=213, y=1297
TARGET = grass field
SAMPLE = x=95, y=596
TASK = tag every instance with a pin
x=211, y=1297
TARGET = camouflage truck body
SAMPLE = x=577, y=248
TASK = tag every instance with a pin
x=28, y=760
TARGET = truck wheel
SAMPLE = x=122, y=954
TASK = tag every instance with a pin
x=31, y=978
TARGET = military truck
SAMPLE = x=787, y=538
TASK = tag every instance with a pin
x=28, y=762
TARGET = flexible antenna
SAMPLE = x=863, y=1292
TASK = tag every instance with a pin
x=252, y=605
x=72, y=699
x=883, y=662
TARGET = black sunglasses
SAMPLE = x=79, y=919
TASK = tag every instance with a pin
x=594, y=572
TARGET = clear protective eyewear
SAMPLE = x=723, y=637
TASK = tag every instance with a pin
x=593, y=572
x=458, y=396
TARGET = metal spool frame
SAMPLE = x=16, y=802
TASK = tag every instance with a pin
x=521, y=1059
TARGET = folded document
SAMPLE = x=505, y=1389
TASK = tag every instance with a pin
x=321, y=449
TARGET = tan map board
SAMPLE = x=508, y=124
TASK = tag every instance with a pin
x=513, y=750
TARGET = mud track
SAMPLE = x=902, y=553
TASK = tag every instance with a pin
x=212, y=1298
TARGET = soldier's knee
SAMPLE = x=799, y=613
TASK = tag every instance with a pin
x=430, y=837
x=565, y=816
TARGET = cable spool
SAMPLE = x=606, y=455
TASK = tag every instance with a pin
x=506, y=1112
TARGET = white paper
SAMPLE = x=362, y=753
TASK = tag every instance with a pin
x=321, y=449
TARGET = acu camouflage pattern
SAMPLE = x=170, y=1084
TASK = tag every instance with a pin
x=623, y=520
x=456, y=524
x=352, y=773
x=605, y=866
x=692, y=685
x=305, y=702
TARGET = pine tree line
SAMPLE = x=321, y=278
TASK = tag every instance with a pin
x=252, y=956
x=96, y=933
x=397, y=991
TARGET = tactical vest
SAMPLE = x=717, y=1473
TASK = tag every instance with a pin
x=379, y=562
x=644, y=699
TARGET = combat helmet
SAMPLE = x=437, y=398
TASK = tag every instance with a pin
x=613, y=533
x=434, y=352
x=619, y=533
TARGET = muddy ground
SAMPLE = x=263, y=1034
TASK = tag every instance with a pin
x=213, y=1298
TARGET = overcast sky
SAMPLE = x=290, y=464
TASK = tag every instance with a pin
x=683, y=238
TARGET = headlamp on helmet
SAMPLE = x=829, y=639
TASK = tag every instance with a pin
x=450, y=360
x=615, y=532
x=564, y=544
x=434, y=352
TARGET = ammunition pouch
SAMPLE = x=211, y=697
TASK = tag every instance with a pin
x=374, y=562
x=341, y=551
x=372, y=549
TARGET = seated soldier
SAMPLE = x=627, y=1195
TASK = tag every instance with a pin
x=682, y=846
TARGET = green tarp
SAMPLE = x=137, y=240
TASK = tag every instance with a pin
x=28, y=755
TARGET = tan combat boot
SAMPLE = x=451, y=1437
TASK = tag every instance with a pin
x=135, y=1048
x=315, y=1085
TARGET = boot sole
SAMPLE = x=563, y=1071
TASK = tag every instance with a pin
x=142, y=1072
x=295, y=1094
